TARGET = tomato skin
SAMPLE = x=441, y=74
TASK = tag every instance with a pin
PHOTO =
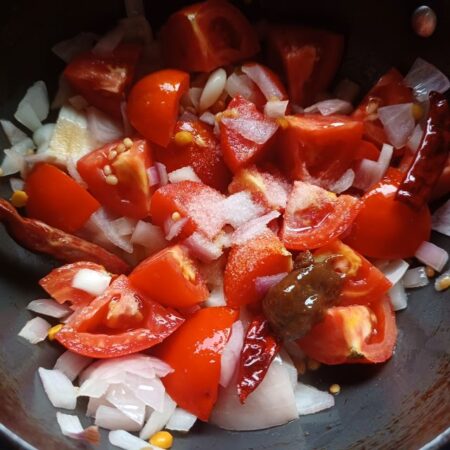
x=354, y=334
x=103, y=80
x=186, y=198
x=386, y=228
x=207, y=35
x=153, y=104
x=390, y=89
x=309, y=59
x=319, y=148
x=239, y=152
x=367, y=150
x=130, y=197
x=314, y=217
x=140, y=323
x=363, y=282
x=57, y=199
x=58, y=283
x=264, y=255
x=171, y=278
x=203, y=154
x=194, y=352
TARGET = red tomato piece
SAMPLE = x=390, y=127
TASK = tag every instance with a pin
x=270, y=189
x=195, y=201
x=363, y=282
x=386, y=228
x=264, y=255
x=367, y=150
x=258, y=351
x=203, y=154
x=130, y=195
x=317, y=148
x=309, y=59
x=58, y=283
x=171, y=278
x=207, y=35
x=119, y=322
x=57, y=199
x=390, y=89
x=194, y=352
x=238, y=151
x=353, y=334
x=103, y=80
x=153, y=104
x=314, y=217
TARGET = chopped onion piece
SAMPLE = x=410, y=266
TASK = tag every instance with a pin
x=102, y=128
x=442, y=281
x=69, y=48
x=78, y=102
x=398, y=296
x=93, y=387
x=153, y=176
x=432, y=255
x=43, y=135
x=395, y=270
x=216, y=298
x=239, y=208
x=347, y=90
x=263, y=284
x=127, y=441
x=181, y=420
x=149, y=236
x=124, y=226
x=415, y=138
x=63, y=93
x=193, y=97
x=59, y=389
x=231, y=353
x=262, y=79
x=26, y=115
x=398, y=122
x=332, y=106
x=35, y=330
x=173, y=228
x=14, y=134
x=213, y=89
x=345, y=182
x=71, y=427
x=208, y=117
x=203, y=248
x=253, y=228
x=158, y=419
x=310, y=400
x=441, y=219
x=186, y=173
x=113, y=419
x=254, y=130
x=240, y=85
x=91, y=281
x=162, y=172
x=108, y=43
x=71, y=364
x=16, y=184
x=423, y=78
x=49, y=307
x=275, y=108
x=149, y=391
x=35, y=98
x=415, y=278
x=12, y=163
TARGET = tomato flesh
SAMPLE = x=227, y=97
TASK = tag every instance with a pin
x=153, y=104
x=207, y=35
x=103, y=80
x=194, y=352
x=119, y=322
x=261, y=256
x=57, y=199
x=130, y=195
x=171, y=278
x=386, y=228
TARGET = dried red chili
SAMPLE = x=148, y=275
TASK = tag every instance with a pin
x=429, y=161
x=260, y=347
x=42, y=238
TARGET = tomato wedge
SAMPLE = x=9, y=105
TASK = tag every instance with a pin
x=207, y=35
x=353, y=334
x=240, y=122
x=202, y=153
x=317, y=148
x=309, y=59
x=119, y=322
x=363, y=282
x=390, y=89
x=153, y=104
x=103, y=80
x=386, y=228
x=194, y=352
x=57, y=199
x=314, y=217
x=171, y=278
x=123, y=189
x=264, y=255
x=58, y=283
